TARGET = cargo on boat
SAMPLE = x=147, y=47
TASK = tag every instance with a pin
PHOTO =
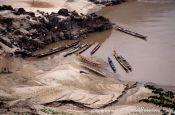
x=92, y=64
x=111, y=64
x=89, y=61
x=126, y=66
x=130, y=32
x=96, y=48
x=126, y=63
x=57, y=49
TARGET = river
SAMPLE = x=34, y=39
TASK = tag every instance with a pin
x=152, y=60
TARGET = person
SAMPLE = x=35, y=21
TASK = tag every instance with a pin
x=6, y=59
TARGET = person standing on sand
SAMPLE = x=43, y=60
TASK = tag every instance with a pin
x=6, y=59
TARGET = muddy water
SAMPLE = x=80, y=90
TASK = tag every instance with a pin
x=154, y=60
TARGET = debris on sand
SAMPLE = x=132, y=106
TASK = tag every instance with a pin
x=108, y=2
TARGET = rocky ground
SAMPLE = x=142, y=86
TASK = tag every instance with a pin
x=28, y=31
x=108, y=2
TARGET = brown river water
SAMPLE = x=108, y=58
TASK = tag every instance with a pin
x=152, y=60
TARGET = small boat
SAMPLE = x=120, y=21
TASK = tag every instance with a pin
x=130, y=32
x=22, y=53
x=98, y=71
x=74, y=50
x=121, y=61
x=87, y=47
x=111, y=64
x=57, y=49
x=126, y=63
x=89, y=61
x=95, y=49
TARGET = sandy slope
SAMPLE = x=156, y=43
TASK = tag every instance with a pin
x=81, y=6
x=64, y=82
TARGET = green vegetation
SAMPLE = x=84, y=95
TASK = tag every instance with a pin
x=2, y=98
x=160, y=91
x=52, y=112
x=62, y=112
x=162, y=98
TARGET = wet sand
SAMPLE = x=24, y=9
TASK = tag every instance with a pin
x=39, y=4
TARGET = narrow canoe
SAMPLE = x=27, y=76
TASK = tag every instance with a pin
x=57, y=49
x=100, y=72
x=126, y=66
x=111, y=64
x=95, y=49
x=118, y=58
x=89, y=61
x=130, y=32
x=72, y=51
x=84, y=49
x=126, y=63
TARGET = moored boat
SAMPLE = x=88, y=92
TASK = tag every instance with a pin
x=126, y=63
x=74, y=50
x=84, y=49
x=130, y=32
x=122, y=62
x=94, y=69
x=111, y=64
x=96, y=48
x=57, y=49
x=89, y=61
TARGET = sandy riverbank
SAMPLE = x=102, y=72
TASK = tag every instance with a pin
x=81, y=6
x=65, y=84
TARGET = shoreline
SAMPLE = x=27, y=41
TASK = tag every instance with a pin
x=47, y=28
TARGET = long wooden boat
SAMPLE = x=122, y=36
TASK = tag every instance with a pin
x=57, y=49
x=130, y=32
x=84, y=49
x=95, y=49
x=111, y=64
x=89, y=61
x=126, y=63
x=94, y=69
x=74, y=50
x=118, y=58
